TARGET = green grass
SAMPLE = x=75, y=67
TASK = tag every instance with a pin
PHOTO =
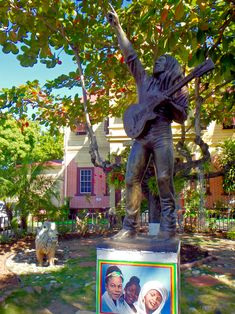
x=206, y=300
x=71, y=284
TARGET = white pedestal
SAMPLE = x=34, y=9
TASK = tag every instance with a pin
x=145, y=257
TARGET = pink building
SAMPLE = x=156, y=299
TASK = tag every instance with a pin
x=85, y=185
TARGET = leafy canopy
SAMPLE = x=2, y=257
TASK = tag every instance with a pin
x=40, y=30
x=24, y=148
x=23, y=139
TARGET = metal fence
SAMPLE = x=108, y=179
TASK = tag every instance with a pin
x=210, y=221
x=5, y=227
x=91, y=225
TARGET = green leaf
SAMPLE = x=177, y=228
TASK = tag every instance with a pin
x=201, y=36
x=172, y=41
x=14, y=49
x=10, y=47
x=6, y=47
x=27, y=61
x=179, y=11
x=3, y=37
x=145, y=17
x=200, y=55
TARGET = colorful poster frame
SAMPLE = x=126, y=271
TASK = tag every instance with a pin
x=165, y=272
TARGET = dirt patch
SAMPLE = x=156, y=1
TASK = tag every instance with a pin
x=203, y=281
x=7, y=278
x=190, y=253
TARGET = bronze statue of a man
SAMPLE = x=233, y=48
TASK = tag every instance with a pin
x=156, y=138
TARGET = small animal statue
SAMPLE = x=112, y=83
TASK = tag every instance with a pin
x=46, y=242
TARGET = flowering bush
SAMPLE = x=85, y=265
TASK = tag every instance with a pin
x=117, y=178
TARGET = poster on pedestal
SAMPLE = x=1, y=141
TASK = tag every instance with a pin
x=136, y=282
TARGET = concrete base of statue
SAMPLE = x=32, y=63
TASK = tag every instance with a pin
x=152, y=260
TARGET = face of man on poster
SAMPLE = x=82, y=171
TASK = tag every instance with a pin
x=114, y=287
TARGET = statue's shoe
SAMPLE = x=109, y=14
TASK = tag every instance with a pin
x=124, y=234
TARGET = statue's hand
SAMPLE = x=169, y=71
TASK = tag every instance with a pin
x=112, y=17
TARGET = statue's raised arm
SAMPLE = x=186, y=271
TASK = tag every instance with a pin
x=124, y=43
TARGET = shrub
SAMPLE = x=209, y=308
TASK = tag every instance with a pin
x=4, y=239
x=231, y=233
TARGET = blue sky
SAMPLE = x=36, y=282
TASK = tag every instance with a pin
x=13, y=74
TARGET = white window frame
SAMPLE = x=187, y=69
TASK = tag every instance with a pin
x=85, y=181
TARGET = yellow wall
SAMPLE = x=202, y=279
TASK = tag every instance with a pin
x=215, y=134
x=77, y=146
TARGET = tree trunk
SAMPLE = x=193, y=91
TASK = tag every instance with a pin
x=201, y=209
x=9, y=212
x=23, y=223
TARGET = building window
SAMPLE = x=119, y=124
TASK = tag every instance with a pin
x=81, y=129
x=85, y=181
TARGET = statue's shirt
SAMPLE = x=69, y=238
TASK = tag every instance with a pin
x=148, y=92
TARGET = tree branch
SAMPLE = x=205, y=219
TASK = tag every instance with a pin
x=192, y=164
x=94, y=151
x=223, y=27
x=216, y=89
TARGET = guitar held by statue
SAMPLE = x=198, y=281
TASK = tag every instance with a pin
x=136, y=115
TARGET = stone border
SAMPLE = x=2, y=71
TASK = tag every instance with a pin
x=198, y=262
x=32, y=267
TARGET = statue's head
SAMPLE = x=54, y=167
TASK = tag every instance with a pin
x=159, y=65
x=168, y=71
x=166, y=63
x=47, y=228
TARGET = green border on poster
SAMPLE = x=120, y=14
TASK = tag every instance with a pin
x=171, y=266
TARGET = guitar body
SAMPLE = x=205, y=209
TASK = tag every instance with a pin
x=135, y=118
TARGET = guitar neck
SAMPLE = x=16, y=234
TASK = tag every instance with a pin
x=173, y=89
x=201, y=69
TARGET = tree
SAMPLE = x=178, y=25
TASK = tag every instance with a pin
x=24, y=150
x=191, y=30
x=21, y=138
x=30, y=190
